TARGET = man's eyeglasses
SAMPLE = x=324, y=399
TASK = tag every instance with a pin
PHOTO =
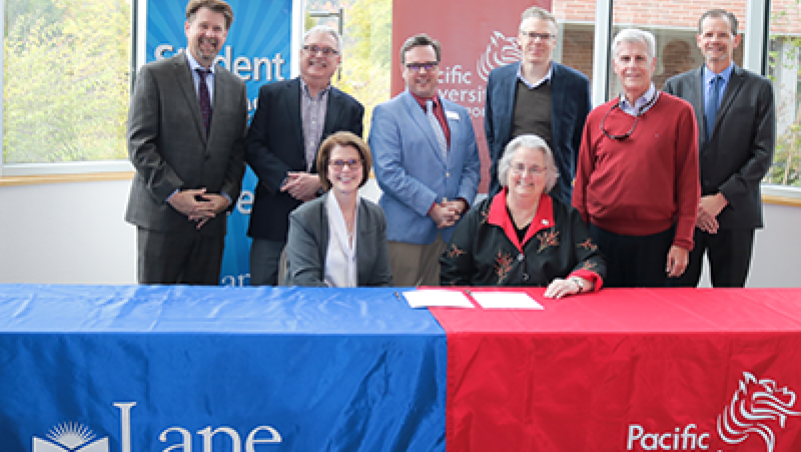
x=534, y=35
x=327, y=51
x=520, y=169
x=415, y=67
x=352, y=163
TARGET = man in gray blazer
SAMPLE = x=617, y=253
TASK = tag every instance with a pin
x=186, y=129
x=735, y=112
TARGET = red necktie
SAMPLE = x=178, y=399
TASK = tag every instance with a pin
x=204, y=99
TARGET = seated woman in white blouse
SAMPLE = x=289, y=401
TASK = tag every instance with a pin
x=339, y=239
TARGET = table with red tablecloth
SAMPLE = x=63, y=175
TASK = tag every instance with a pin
x=627, y=369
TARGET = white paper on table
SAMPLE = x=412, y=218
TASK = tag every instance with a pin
x=505, y=300
x=439, y=298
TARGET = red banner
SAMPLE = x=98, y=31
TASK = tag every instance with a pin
x=476, y=36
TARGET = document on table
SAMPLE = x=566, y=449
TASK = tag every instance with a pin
x=438, y=298
x=505, y=300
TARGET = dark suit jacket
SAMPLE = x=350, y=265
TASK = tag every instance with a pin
x=274, y=146
x=307, y=245
x=168, y=147
x=570, y=105
x=740, y=150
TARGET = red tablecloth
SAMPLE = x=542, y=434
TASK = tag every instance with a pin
x=628, y=369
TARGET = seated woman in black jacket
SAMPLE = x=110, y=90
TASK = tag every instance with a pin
x=522, y=236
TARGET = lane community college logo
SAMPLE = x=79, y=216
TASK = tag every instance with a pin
x=70, y=437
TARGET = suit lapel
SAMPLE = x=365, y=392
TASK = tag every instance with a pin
x=509, y=106
x=333, y=111
x=421, y=121
x=695, y=95
x=291, y=99
x=732, y=88
x=557, y=103
x=187, y=83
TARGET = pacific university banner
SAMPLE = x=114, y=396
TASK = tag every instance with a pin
x=258, y=50
x=476, y=36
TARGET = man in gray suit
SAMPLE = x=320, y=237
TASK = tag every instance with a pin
x=735, y=112
x=186, y=129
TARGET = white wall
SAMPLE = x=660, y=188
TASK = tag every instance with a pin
x=75, y=233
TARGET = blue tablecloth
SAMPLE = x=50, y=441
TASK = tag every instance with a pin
x=139, y=368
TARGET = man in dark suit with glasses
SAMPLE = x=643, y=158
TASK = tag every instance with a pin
x=637, y=178
x=538, y=96
x=292, y=119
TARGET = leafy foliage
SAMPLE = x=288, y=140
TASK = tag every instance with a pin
x=66, y=81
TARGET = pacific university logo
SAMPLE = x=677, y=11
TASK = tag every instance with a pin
x=70, y=437
x=754, y=403
x=758, y=406
x=500, y=52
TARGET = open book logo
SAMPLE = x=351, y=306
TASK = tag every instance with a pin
x=70, y=437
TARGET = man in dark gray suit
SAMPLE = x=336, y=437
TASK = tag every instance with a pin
x=292, y=119
x=186, y=129
x=538, y=96
x=735, y=112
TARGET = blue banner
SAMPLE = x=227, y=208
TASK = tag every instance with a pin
x=257, y=50
x=176, y=368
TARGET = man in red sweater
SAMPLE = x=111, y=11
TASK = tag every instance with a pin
x=637, y=180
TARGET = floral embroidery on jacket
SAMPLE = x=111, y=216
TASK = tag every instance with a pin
x=589, y=265
x=454, y=251
x=503, y=265
x=547, y=239
x=588, y=245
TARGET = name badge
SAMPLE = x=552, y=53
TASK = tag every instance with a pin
x=452, y=115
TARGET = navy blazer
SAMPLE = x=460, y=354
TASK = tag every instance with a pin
x=740, y=151
x=570, y=105
x=274, y=147
x=309, y=235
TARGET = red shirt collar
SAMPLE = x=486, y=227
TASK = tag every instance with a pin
x=422, y=101
x=499, y=216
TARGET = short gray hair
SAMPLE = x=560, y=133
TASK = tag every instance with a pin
x=529, y=141
x=325, y=29
x=539, y=13
x=635, y=35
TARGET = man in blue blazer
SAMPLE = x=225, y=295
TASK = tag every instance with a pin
x=736, y=119
x=538, y=96
x=426, y=163
x=292, y=119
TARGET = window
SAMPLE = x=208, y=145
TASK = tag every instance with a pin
x=783, y=68
x=366, y=28
x=66, y=80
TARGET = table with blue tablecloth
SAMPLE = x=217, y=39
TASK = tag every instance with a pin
x=141, y=368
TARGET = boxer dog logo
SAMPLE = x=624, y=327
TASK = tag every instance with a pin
x=70, y=437
x=753, y=405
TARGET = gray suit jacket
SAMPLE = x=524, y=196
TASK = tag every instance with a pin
x=168, y=147
x=307, y=245
x=740, y=149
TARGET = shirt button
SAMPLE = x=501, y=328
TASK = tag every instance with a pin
x=525, y=277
